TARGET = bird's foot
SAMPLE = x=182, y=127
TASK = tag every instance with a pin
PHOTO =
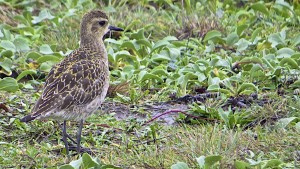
x=80, y=150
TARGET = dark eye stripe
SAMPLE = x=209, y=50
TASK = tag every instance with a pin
x=102, y=23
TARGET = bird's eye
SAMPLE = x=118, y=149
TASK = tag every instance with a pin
x=102, y=23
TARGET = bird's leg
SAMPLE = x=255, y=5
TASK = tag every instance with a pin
x=79, y=136
x=65, y=135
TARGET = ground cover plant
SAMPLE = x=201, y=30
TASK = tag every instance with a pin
x=194, y=84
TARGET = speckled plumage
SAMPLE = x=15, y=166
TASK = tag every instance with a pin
x=77, y=86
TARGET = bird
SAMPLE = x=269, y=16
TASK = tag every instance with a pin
x=76, y=87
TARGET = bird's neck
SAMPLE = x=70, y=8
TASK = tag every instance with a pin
x=95, y=44
x=91, y=41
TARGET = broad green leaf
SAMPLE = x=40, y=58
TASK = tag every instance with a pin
x=159, y=57
x=296, y=40
x=45, y=49
x=21, y=44
x=211, y=35
x=6, y=65
x=33, y=55
x=247, y=86
x=240, y=29
x=8, y=84
x=66, y=166
x=122, y=54
x=46, y=58
x=213, y=87
x=180, y=165
x=260, y=6
x=44, y=14
x=76, y=163
x=285, y=52
x=282, y=123
x=255, y=33
x=88, y=162
x=201, y=161
x=8, y=45
x=289, y=61
x=138, y=35
x=170, y=38
x=150, y=76
x=211, y=160
x=271, y=163
x=25, y=73
x=144, y=42
x=160, y=44
x=232, y=38
x=1, y=34
x=242, y=45
x=46, y=67
x=276, y=39
x=241, y=165
x=297, y=126
x=6, y=53
x=109, y=166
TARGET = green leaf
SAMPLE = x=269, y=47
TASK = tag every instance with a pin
x=33, y=55
x=6, y=53
x=44, y=14
x=211, y=35
x=138, y=35
x=240, y=29
x=159, y=57
x=149, y=76
x=276, y=39
x=232, y=38
x=66, y=166
x=285, y=52
x=180, y=165
x=8, y=45
x=25, y=73
x=273, y=163
x=242, y=45
x=48, y=58
x=241, y=165
x=296, y=40
x=282, y=123
x=260, y=7
x=45, y=49
x=211, y=160
x=289, y=61
x=76, y=163
x=109, y=166
x=297, y=126
x=213, y=87
x=8, y=84
x=201, y=161
x=248, y=86
x=160, y=44
x=6, y=64
x=21, y=44
x=46, y=67
x=88, y=162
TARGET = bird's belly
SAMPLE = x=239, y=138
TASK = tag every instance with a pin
x=78, y=112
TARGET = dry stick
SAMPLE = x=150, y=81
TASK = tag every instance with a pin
x=176, y=111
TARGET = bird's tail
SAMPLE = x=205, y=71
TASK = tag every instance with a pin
x=27, y=118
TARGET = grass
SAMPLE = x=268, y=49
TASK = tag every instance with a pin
x=247, y=130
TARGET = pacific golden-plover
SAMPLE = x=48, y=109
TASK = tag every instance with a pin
x=76, y=87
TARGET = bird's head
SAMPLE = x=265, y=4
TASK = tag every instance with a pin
x=95, y=24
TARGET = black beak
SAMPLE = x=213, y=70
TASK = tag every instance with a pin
x=113, y=28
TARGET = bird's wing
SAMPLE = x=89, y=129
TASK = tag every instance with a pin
x=70, y=83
